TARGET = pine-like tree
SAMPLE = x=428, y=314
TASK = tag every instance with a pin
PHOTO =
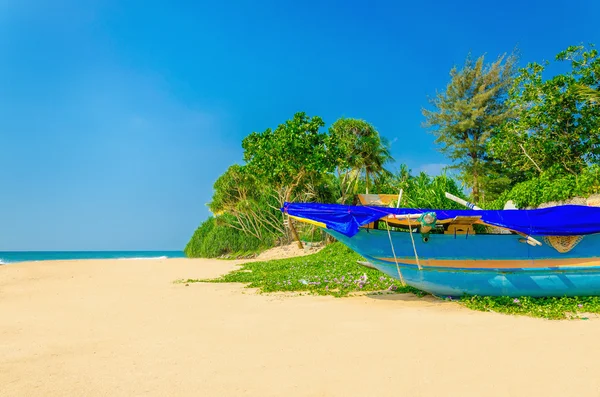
x=466, y=115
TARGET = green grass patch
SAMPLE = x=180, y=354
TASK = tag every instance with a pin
x=549, y=308
x=331, y=271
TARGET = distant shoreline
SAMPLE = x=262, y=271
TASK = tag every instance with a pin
x=11, y=257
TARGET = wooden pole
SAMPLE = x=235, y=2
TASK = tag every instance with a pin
x=462, y=202
x=399, y=198
x=295, y=233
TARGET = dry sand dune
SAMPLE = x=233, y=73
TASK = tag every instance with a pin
x=123, y=328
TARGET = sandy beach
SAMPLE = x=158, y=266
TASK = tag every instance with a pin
x=123, y=328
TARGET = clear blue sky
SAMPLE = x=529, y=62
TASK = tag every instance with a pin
x=116, y=117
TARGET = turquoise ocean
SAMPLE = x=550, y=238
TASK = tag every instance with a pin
x=26, y=256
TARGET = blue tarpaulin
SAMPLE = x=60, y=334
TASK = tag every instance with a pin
x=566, y=220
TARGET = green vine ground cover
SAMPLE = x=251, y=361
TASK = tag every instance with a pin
x=554, y=308
x=331, y=271
x=334, y=271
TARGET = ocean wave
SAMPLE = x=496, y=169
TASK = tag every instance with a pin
x=79, y=257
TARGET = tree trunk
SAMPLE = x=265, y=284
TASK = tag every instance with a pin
x=475, y=188
x=367, y=179
x=295, y=233
x=290, y=223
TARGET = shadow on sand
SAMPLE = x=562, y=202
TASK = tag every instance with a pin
x=410, y=297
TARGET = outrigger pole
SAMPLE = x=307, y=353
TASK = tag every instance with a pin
x=463, y=202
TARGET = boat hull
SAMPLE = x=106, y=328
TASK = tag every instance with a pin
x=485, y=265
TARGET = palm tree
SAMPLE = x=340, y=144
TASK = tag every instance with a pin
x=374, y=154
x=360, y=149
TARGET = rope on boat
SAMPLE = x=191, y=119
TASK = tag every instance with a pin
x=394, y=252
x=413, y=244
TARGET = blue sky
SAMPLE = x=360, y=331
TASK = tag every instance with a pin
x=116, y=117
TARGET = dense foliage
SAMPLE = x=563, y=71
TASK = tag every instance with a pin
x=356, y=147
x=215, y=239
x=285, y=158
x=252, y=208
x=466, y=115
x=554, y=126
x=551, y=186
x=422, y=190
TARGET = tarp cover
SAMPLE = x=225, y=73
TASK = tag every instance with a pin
x=566, y=220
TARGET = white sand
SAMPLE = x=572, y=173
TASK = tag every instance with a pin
x=122, y=328
x=288, y=251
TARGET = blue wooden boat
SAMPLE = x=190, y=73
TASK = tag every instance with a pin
x=544, y=252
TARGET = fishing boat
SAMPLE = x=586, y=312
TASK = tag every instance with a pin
x=552, y=251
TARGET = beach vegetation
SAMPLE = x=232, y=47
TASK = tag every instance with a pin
x=589, y=94
x=285, y=159
x=556, y=121
x=357, y=149
x=296, y=162
x=550, y=186
x=215, y=238
x=465, y=116
x=250, y=206
x=551, y=308
x=421, y=190
x=332, y=271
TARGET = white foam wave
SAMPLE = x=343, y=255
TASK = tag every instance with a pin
x=3, y=263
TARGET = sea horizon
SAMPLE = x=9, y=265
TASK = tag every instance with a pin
x=9, y=257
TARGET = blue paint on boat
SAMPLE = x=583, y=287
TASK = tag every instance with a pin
x=483, y=264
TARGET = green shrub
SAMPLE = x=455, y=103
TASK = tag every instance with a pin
x=550, y=186
x=213, y=239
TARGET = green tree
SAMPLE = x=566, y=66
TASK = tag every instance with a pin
x=251, y=208
x=357, y=148
x=466, y=115
x=555, y=126
x=424, y=191
x=282, y=159
x=214, y=238
x=588, y=93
